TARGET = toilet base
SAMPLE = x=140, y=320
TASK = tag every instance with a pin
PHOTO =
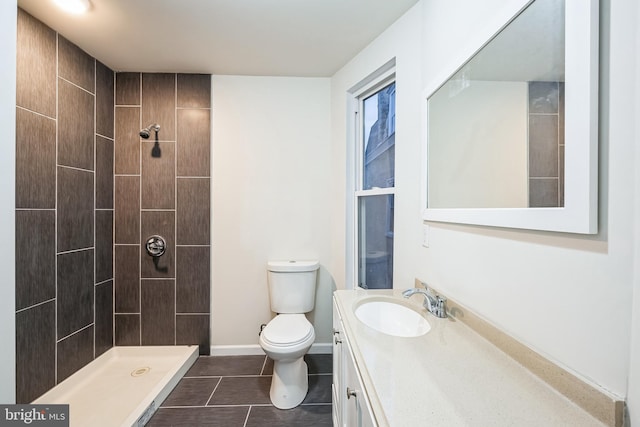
x=289, y=384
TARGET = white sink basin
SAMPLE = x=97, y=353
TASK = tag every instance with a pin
x=392, y=318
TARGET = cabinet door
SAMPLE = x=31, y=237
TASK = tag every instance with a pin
x=337, y=368
x=356, y=410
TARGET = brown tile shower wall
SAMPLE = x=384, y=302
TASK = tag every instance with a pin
x=64, y=208
x=546, y=144
x=72, y=267
x=162, y=188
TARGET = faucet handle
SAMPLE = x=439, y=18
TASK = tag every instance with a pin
x=430, y=291
x=441, y=306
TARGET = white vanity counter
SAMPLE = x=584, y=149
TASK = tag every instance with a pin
x=449, y=377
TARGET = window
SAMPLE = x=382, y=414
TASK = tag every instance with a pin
x=374, y=184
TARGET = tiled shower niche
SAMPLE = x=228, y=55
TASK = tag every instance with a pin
x=86, y=188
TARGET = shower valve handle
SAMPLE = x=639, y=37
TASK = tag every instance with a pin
x=156, y=246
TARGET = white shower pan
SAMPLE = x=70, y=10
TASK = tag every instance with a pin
x=122, y=387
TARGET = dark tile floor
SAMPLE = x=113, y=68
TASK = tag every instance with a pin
x=230, y=391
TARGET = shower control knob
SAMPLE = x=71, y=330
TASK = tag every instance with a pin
x=156, y=246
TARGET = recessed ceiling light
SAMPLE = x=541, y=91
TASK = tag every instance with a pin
x=73, y=6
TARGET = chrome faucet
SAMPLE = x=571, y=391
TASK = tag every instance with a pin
x=435, y=304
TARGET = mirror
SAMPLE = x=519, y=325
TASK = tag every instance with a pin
x=512, y=132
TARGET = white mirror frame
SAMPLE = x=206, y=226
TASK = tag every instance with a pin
x=580, y=212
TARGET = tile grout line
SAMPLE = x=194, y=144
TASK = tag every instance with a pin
x=232, y=376
x=55, y=332
x=95, y=195
x=239, y=405
x=246, y=419
x=214, y=390
x=264, y=365
x=139, y=147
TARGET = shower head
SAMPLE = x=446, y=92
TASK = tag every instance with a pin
x=146, y=132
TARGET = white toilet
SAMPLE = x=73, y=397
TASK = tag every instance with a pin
x=289, y=335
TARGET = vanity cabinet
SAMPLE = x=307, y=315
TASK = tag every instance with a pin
x=351, y=407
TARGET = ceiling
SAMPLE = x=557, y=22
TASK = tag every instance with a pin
x=306, y=38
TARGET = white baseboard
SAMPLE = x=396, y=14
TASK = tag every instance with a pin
x=255, y=349
x=236, y=350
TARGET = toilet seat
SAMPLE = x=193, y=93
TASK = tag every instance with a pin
x=286, y=330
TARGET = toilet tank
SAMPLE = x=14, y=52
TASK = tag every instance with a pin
x=292, y=285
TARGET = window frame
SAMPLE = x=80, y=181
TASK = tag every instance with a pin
x=382, y=78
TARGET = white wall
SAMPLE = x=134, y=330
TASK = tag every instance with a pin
x=8, y=11
x=633, y=396
x=567, y=296
x=271, y=197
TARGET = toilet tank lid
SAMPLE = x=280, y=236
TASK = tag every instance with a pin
x=290, y=266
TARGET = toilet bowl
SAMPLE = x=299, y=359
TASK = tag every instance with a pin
x=286, y=339
x=289, y=335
